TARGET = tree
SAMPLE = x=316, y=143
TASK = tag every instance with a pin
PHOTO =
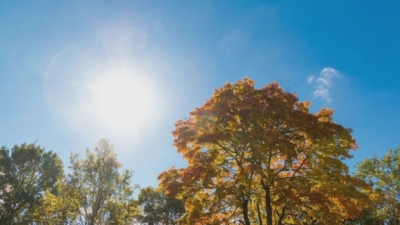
x=384, y=175
x=61, y=207
x=26, y=172
x=104, y=194
x=258, y=156
x=157, y=208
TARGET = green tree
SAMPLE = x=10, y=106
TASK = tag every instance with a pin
x=384, y=175
x=157, y=208
x=258, y=156
x=104, y=194
x=61, y=207
x=26, y=173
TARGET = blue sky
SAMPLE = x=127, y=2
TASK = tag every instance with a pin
x=72, y=72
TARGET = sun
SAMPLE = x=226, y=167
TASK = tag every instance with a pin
x=121, y=102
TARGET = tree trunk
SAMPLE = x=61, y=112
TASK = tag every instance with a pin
x=246, y=212
x=281, y=216
x=268, y=207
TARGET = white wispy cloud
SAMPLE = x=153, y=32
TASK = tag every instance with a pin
x=323, y=83
x=310, y=79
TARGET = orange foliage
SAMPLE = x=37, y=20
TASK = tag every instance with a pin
x=253, y=148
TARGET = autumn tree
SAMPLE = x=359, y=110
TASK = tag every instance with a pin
x=384, y=175
x=157, y=208
x=104, y=193
x=26, y=173
x=258, y=156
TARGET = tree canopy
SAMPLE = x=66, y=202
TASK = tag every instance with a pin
x=383, y=174
x=258, y=156
x=254, y=156
x=104, y=194
x=94, y=192
x=26, y=172
x=157, y=208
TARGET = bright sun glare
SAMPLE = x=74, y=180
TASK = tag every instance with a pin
x=121, y=102
x=101, y=88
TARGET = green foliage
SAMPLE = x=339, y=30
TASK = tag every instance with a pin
x=26, y=173
x=384, y=175
x=103, y=193
x=59, y=208
x=157, y=208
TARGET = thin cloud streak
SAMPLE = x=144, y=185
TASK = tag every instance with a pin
x=323, y=83
x=310, y=79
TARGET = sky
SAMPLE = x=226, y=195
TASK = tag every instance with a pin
x=73, y=72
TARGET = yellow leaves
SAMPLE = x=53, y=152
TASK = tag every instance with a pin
x=303, y=106
x=171, y=182
x=58, y=209
x=375, y=196
x=325, y=115
x=220, y=160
